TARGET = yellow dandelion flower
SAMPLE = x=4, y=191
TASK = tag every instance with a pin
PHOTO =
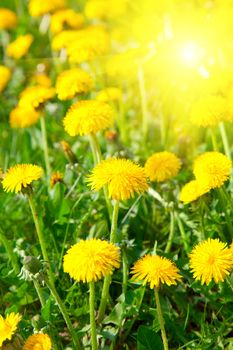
x=64, y=39
x=42, y=80
x=155, y=270
x=55, y=178
x=34, y=96
x=212, y=169
x=91, y=260
x=123, y=178
x=23, y=117
x=5, y=75
x=162, y=166
x=86, y=117
x=20, y=176
x=106, y=10
x=208, y=111
x=110, y=94
x=38, y=8
x=92, y=42
x=211, y=259
x=8, y=326
x=73, y=81
x=19, y=47
x=66, y=19
x=192, y=191
x=38, y=341
x=8, y=19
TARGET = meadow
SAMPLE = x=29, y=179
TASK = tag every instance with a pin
x=116, y=199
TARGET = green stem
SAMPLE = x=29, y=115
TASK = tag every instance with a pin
x=96, y=151
x=39, y=292
x=40, y=235
x=45, y=145
x=182, y=231
x=225, y=140
x=161, y=320
x=65, y=314
x=107, y=280
x=214, y=139
x=125, y=271
x=142, y=90
x=113, y=234
x=11, y=255
x=92, y=316
x=171, y=233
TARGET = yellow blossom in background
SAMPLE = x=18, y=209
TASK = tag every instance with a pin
x=42, y=79
x=212, y=169
x=55, y=178
x=19, y=47
x=38, y=341
x=91, y=260
x=192, y=191
x=208, y=111
x=73, y=81
x=162, y=166
x=103, y=9
x=211, y=259
x=23, y=117
x=38, y=8
x=5, y=75
x=92, y=42
x=109, y=94
x=20, y=176
x=35, y=96
x=122, y=177
x=155, y=270
x=64, y=39
x=8, y=19
x=86, y=117
x=8, y=326
x=66, y=18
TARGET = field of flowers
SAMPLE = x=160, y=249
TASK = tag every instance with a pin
x=116, y=199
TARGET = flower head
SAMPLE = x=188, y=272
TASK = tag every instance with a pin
x=34, y=96
x=73, y=81
x=38, y=8
x=23, y=117
x=8, y=326
x=192, y=191
x=86, y=117
x=66, y=18
x=8, y=19
x=38, y=341
x=208, y=111
x=41, y=79
x=110, y=94
x=123, y=178
x=5, y=75
x=19, y=47
x=162, y=166
x=155, y=270
x=91, y=42
x=55, y=178
x=91, y=260
x=212, y=169
x=105, y=9
x=20, y=176
x=64, y=39
x=211, y=259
